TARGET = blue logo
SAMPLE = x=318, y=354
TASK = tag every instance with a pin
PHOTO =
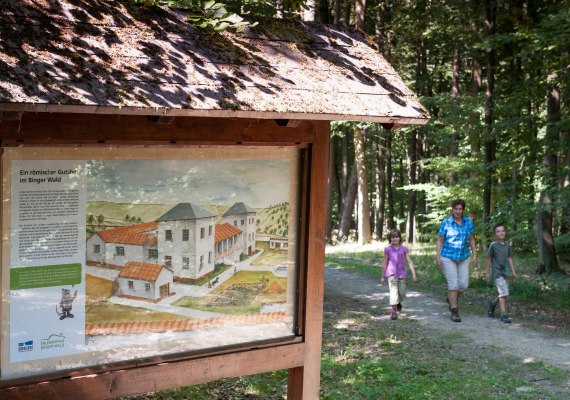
x=26, y=346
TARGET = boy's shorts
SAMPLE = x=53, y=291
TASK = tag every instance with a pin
x=502, y=286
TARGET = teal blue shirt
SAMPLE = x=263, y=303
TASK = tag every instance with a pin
x=456, y=238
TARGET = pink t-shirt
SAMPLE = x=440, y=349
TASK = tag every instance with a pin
x=396, y=262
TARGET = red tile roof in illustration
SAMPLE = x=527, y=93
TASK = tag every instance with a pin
x=224, y=231
x=134, y=234
x=140, y=271
x=115, y=328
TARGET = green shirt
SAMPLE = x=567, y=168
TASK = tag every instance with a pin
x=500, y=254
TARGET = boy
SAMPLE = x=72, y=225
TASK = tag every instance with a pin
x=498, y=256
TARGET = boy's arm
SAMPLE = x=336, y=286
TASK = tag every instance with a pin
x=412, y=268
x=488, y=269
x=512, y=265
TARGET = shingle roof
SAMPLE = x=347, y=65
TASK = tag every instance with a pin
x=135, y=234
x=140, y=271
x=109, y=56
x=185, y=211
x=238, y=208
x=224, y=231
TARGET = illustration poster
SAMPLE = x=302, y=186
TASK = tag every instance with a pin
x=118, y=255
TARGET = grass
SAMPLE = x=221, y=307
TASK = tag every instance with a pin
x=270, y=256
x=365, y=356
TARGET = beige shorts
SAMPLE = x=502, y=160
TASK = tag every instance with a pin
x=397, y=290
x=502, y=286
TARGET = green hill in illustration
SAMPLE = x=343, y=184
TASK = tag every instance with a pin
x=272, y=220
x=115, y=213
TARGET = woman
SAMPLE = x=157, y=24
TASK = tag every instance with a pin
x=455, y=237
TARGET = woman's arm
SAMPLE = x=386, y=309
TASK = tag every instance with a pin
x=438, y=250
x=473, y=250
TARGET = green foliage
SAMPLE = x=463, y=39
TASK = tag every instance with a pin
x=206, y=14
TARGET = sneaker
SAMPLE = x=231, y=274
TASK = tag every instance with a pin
x=455, y=315
x=505, y=319
x=491, y=309
x=394, y=315
x=399, y=307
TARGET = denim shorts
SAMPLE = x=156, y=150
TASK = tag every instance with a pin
x=456, y=273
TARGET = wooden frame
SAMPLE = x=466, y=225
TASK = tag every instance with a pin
x=301, y=355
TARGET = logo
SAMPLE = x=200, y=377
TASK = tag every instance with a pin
x=53, y=341
x=26, y=346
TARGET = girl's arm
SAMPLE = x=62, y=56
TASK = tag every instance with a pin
x=411, y=264
x=384, y=268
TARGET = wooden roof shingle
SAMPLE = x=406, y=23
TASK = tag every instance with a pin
x=113, y=57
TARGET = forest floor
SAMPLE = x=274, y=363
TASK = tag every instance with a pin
x=523, y=342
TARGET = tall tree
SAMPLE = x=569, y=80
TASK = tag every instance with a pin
x=360, y=13
x=546, y=248
x=364, y=234
x=348, y=205
x=412, y=194
x=490, y=142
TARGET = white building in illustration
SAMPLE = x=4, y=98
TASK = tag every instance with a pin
x=243, y=217
x=185, y=240
x=150, y=282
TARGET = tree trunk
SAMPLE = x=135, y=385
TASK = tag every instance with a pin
x=380, y=189
x=401, y=199
x=474, y=140
x=360, y=13
x=364, y=235
x=336, y=8
x=330, y=190
x=546, y=249
x=348, y=207
x=322, y=12
x=347, y=11
x=490, y=142
x=344, y=165
x=389, y=189
x=454, y=93
x=412, y=194
x=378, y=26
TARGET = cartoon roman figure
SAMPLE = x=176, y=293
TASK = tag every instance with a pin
x=66, y=304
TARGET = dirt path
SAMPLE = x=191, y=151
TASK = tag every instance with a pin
x=513, y=339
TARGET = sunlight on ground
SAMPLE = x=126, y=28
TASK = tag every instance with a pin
x=376, y=246
x=344, y=323
x=355, y=247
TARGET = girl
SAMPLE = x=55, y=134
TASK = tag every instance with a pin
x=395, y=257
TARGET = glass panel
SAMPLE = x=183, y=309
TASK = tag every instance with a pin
x=95, y=270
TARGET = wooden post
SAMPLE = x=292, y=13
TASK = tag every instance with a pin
x=304, y=382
